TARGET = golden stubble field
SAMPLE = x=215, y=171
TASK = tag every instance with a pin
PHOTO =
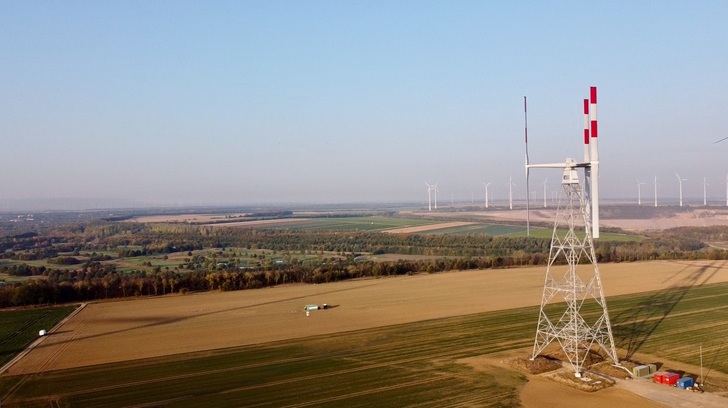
x=107, y=332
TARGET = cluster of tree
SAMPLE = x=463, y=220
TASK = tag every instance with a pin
x=64, y=260
x=101, y=281
x=95, y=279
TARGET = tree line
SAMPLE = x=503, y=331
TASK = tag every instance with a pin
x=98, y=279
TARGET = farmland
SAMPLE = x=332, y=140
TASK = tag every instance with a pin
x=20, y=327
x=394, y=342
x=182, y=323
x=406, y=225
x=101, y=260
x=340, y=223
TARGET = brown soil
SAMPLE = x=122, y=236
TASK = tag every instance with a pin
x=539, y=365
x=543, y=391
x=107, y=332
x=423, y=228
x=669, y=218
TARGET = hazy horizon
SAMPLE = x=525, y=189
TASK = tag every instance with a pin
x=245, y=103
x=96, y=204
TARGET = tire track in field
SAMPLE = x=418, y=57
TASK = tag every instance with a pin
x=66, y=343
x=37, y=341
x=20, y=330
x=167, y=378
x=396, y=363
x=361, y=393
x=228, y=370
x=420, y=355
x=231, y=369
x=56, y=353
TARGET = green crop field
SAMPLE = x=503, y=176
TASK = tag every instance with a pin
x=36, y=263
x=18, y=328
x=489, y=229
x=520, y=231
x=351, y=224
x=415, y=364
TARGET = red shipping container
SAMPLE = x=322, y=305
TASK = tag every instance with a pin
x=670, y=378
x=659, y=377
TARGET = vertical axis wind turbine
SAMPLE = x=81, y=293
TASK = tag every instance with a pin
x=592, y=172
x=577, y=334
x=590, y=163
x=639, y=192
x=680, y=180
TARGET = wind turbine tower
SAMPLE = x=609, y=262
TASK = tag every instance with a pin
x=705, y=193
x=639, y=192
x=572, y=274
x=544, y=193
x=429, y=196
x=510, y=192
x=434, y=187
x=680, y=180
x=486, y=192
x=655, y=191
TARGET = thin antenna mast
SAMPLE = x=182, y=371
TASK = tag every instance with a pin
x=702, y=379
x=528, y=197
x=587, y=153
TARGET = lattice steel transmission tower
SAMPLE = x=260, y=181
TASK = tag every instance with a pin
x=573, y=310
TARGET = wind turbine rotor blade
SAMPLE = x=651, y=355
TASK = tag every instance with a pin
x=552, y=166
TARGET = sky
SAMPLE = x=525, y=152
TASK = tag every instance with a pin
x=256, y=102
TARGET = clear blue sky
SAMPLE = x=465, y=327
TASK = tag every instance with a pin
x=247, y=102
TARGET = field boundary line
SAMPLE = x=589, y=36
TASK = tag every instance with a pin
x=39, y=340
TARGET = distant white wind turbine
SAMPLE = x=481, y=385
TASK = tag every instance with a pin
x=486, y=192
x=510, y=191
x=705, y=192
x=680, y=180
x=639, y=192
x=544, y=192
x=429, y=196
x=434, y=187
